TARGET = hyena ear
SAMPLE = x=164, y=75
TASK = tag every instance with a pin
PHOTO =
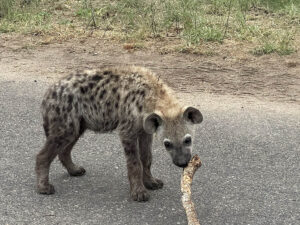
x=151, y=123
x=192, y=115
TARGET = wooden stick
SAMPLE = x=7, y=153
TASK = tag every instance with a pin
x=186, y=182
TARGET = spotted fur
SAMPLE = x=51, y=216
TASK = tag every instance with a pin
x=130, y=99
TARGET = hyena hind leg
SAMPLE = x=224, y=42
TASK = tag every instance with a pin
x=66, y=159
x=61, y=145
x=43, y=161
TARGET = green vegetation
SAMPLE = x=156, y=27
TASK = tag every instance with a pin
x=280, y=43
x=22, y=16
x=267, y=25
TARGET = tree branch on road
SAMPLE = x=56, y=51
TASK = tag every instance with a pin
x=186, y=183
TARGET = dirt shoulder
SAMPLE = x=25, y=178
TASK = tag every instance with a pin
x=266, y=78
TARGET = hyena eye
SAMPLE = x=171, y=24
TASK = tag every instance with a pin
x=187, y=140
x=168, y=144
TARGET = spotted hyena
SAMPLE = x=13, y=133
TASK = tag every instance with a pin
x=130, y=99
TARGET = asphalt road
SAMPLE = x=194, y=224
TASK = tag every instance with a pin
x=250, y=172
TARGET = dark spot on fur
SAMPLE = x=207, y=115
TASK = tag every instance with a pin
x=142, y=92
x=114, y=124
x=116, y=78
x=140, y=108
x=92, y=98
x=106, y=124
x=107, y=72
x=85, y=105
x=116, y=105
x=113, y=77
x=83, y=90
x=123, y=129
x=114, y=90
x=69, y=77
x=96, y=77
x=123, y=122
x=126, y=98
x=70, y=99
x=107, y=81
x=103, y=92
x=61, y=91
x=54, y=95
x=58, y=141
x=97, y=89
x=69, y=108
x=75, y=85
x=95, y=106
x=130, y=80
x=81, y=125
x=133, y=99
x=65, y=116
x=46, y=128
x=108, y=103
x=118, y=97
x=64, y=109
x=71, y=124
x=76, y=106
x=146, y=86
x=91, y=85
x=57, y=109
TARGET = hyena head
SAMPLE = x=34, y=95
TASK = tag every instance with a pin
x=175, y=132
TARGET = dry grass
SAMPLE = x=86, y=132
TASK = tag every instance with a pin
x=183, y=26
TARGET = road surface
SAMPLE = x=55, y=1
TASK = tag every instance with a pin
x=250, y=172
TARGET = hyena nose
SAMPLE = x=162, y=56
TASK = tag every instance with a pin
x=182, y=161
x=182, y=165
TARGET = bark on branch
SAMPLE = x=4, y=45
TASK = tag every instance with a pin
x=186, y=182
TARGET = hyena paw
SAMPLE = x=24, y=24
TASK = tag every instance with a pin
x=153, y=184
x=79, y=171
x=140, y=195
x=46, y=189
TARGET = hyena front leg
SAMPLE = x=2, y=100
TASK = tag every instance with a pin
x=135, y=170
x=145, y=148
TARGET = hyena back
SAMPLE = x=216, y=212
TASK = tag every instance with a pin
x=130, y=99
